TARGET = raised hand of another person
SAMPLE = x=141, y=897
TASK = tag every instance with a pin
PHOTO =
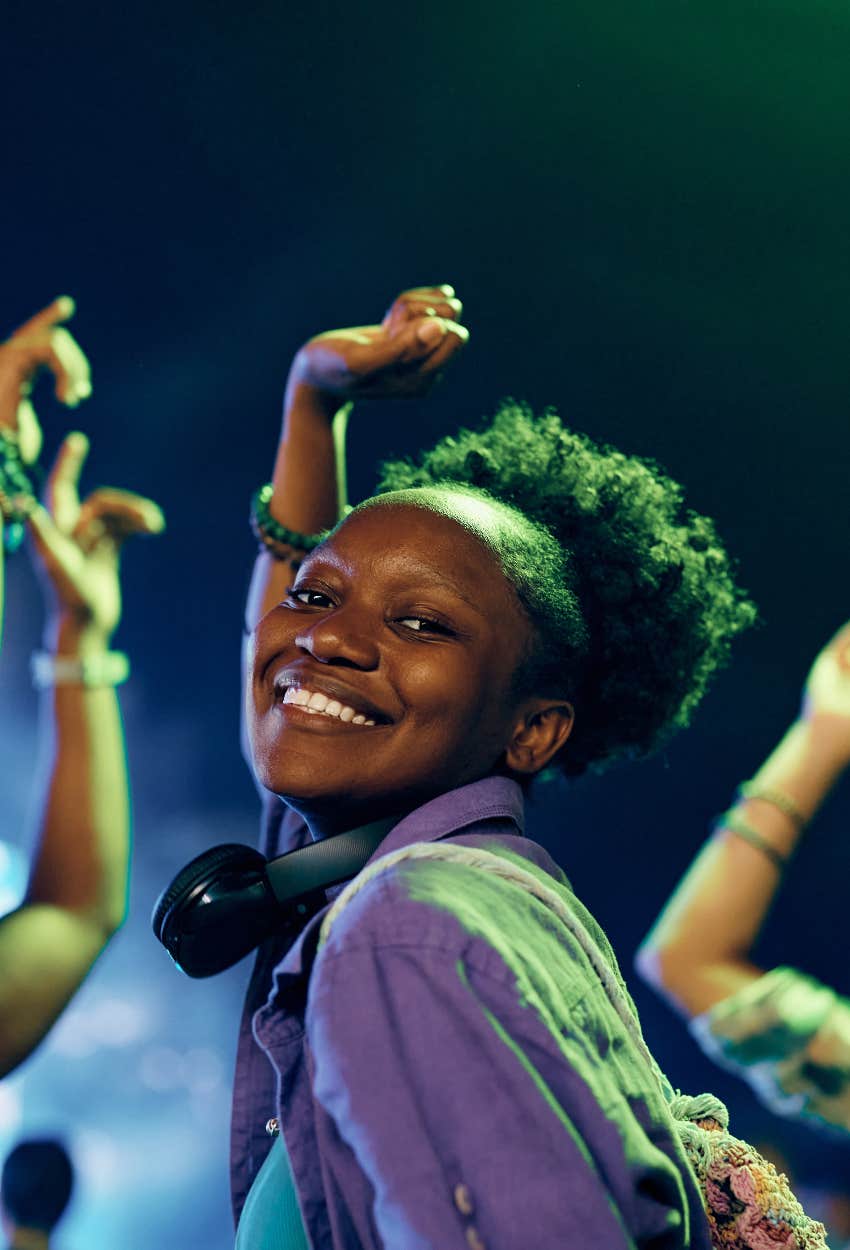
x=77, y=893
x=77, y=547
x=42, y=343
x=700, y=951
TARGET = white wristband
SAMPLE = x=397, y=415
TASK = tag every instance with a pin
x=106, y=668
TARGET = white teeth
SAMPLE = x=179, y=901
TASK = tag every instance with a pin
x=317, y=704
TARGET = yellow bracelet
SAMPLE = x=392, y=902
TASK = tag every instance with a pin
x=730, y=823
x=750, y=790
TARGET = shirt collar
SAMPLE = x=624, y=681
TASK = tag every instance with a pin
x=491, y=798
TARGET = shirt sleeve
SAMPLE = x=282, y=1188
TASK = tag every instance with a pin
x=788, y=1035
x=438, y=1080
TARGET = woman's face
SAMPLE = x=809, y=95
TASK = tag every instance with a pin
x=404, y=633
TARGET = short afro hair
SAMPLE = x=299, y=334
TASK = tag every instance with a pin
x=37, y=1182
x=638, y=614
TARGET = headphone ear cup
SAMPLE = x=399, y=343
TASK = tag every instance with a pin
x=234, y=855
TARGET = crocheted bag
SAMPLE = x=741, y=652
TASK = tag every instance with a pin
x=749, y=1205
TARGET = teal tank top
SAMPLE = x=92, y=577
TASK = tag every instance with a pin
x=271, y=1217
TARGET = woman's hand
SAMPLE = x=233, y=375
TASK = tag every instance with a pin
x=40, y=343
x=77, y=545
x=826, y=697
x=401, y=357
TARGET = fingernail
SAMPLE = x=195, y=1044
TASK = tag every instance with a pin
x=65, y=306
x=432, y=330
x=461, y=331
x=447, y=289
x=83, y=390
x=78, y=442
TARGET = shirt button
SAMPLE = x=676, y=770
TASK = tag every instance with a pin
x=473, y=1240
x=273, y=1126
x=463, y=1200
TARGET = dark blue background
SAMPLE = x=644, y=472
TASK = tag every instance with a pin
x=645, y=210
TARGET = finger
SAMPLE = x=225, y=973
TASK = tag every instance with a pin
x=433, y=296
x=29, y=431
x=448, y=345
x=119, y=513
x=61, y=309
x=59, y=557
x=438, y=332
x=58, y=351
x=409, y=310
x=70, y=368
x=61, y=491
x=424, y=301
x=428, y=292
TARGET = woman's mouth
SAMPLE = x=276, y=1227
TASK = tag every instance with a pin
x=314, y=703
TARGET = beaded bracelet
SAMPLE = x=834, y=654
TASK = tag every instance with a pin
x=272, y=534
x=750, y=790
x=730, y=823
x=17, y=493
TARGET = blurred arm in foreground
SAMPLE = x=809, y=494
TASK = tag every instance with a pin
x=77, y=892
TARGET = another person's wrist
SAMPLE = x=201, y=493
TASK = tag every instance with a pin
x=77, y=655
x=75, y=636
x=784, y=795
x=827, y=742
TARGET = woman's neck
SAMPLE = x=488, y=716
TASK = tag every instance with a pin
x=325, y=822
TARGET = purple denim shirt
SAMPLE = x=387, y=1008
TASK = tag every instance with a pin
x=424, y=1104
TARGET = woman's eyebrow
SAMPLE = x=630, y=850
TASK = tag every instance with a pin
x=445, y=583
x=425, y=581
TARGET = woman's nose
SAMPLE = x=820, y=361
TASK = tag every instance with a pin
x=339, y=638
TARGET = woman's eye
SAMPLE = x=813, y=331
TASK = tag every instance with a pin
x=422, y=625
x=308, y=597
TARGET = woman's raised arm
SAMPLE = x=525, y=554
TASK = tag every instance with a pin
x=403, y=356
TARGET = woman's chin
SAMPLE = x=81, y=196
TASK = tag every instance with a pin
x=308, y=784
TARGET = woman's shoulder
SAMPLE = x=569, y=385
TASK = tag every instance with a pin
x=492, y=901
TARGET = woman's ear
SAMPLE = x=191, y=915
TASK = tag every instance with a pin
x=544, y=728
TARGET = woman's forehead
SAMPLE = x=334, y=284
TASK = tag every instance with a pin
x=405, y=540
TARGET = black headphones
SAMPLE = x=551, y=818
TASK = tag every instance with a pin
x=230, y=898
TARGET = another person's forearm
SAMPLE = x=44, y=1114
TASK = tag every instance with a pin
x=309, y=491
x=84, y=840
x=699, y=951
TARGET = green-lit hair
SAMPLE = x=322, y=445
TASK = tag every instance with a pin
x=633, y=596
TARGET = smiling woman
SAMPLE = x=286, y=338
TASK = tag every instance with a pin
x=448, y=1056
x=429, y=667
